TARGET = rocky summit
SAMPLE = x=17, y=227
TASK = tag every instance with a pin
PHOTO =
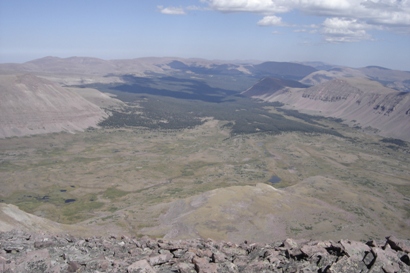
x=29, y=252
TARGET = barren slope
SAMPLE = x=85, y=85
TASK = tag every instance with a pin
x=12, y=218
x=396, y=79
x=31, y=105
x=250, y=212
x=359, y=101
x=259, y=212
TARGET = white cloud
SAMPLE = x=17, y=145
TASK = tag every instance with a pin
x=271, y=20
x=353, y=15
x=341, y=30
x=193, y=7
x=392, y=5
x=257, y=6
x=312, y=28
x=324, y=7
x=301, y=30
x=390, y=19
x=171, y=10
x=277, y=6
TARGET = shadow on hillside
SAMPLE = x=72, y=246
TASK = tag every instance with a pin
x=187, y=89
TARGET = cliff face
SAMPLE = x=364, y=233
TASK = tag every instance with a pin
x=32, y=105
x=25, y=252
x=359, y=101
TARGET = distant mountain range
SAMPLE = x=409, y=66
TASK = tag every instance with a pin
x=370, y=97
x=95, y=66
x=310, y=73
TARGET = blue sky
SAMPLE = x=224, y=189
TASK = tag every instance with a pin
x=346, y=32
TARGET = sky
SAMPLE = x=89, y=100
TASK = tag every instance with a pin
x=353, y=33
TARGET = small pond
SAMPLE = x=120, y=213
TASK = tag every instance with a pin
x=275, y=179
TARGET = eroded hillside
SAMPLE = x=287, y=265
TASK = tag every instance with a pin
x=32, y=105
x=359, y=102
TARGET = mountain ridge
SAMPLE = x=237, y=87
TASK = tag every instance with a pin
x=360, y=102
x=96, y=66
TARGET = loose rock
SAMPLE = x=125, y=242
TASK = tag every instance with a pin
x=23, y=252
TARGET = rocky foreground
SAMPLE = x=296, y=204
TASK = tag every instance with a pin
x=25, y=252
